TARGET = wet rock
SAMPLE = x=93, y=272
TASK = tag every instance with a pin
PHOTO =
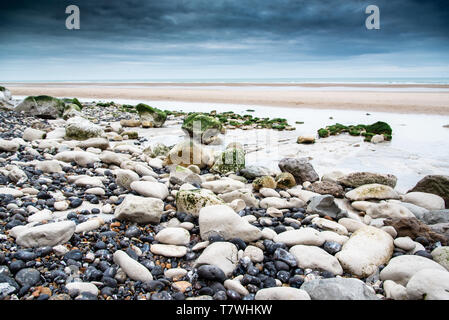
x=300, y=168
x=357, y=179
x=413, y=228
x=326, y=187
x=324, y=206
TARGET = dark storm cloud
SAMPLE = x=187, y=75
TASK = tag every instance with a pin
x=223, y=29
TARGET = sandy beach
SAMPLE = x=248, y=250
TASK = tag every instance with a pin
x=397, y=98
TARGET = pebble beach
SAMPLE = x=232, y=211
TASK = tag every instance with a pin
x=109, y=201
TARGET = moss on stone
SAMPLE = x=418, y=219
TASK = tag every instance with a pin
x=131, y=134
x=264, y=182
x=154, y=115
x=367, y=131
x=206, y=124
x=285, y=180
x=232, y=159
x=379, y=128
x=323, y=133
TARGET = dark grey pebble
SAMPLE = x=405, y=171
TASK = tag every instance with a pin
x=332, y=247
x=285, y=256
x=211, y=272
x=28, y=277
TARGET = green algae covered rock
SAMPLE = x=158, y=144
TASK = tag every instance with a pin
x=285, y=180
x=71, y=110
x=74, y=101
x=232, y=159
x=79, y=128
x=192, y=201
x=150, y=116
x=42, y=106
x=202, y=127
x=189, y=152
x=264, y=182
x=367, y=131
x=160, y=149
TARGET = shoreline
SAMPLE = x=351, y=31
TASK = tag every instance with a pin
x=233, y=84
x=419, y=102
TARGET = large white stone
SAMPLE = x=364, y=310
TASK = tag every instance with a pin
x=89, y=225
x=220, y=254
x=333, y=236
x=223, y=185
x=236, y=286
x=388, y=210
x=8, y=146
x=89, y=181
x=222, y=220
x=50, y=234
x=150, y=189
x=372, y=191
x=80, y=287
x=40, y=216
x=140, y=209
x=394, y=291
x=31, y=134
x=14, y=192
x=191, y=201
x=168, y=250
x=350, y=224
x=400, y=269
x=124, y=178
x=425, y=200
x=304, y=195
x=429, y=284
x=315, y=258
x=405, y=243
x=330, y=225
x=82, y=158
x=365, y=251
x=82, y=129
x=305, y=236
x=281, y=293
x=173, y=235
x=49, y=166
x=441, y=255
x=280, y=203
x=243, y=194
x=254, y=253
x=131, y=267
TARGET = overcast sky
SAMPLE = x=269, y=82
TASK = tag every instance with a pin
x=198, y=39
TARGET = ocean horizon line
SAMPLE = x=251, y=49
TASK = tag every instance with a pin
x=291, y=81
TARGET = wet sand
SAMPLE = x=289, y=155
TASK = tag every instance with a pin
x=396, y=98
